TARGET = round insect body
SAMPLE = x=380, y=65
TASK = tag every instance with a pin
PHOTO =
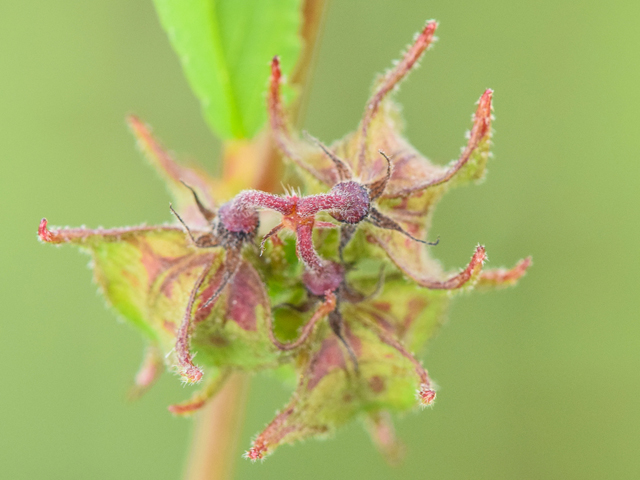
x=236, y=225
x=238, y=219
x=356, y=202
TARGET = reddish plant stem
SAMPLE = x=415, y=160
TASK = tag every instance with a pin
x=216, y=432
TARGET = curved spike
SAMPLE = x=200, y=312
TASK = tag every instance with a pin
x=389, y=82
x=271, y=233
x=201, y=397
x=186, y=227
x=501, y=277
x=165, y=164
x=353, y=296
x=190, y=372
x=380, y=220
x=206, y=240
x=208, y=215
x=462, y=278
x=377, y=188
x=426, y=392
x=86, y=235
x=278, y=120
x=481, y=130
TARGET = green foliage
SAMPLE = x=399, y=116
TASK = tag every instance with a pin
x=224, y=47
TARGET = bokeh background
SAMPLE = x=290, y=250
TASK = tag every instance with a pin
x=540, y=381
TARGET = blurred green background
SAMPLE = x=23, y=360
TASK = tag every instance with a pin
x=540, y=381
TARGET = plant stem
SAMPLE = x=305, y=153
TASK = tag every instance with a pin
x=216, y=432
x=251, y=164
x=313, y=12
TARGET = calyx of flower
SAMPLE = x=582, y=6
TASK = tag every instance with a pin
x=201, y=291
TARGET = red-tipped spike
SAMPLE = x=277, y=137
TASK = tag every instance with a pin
x=44, y=233
x=482, y=119
x=277, y=119
x=480, y=130
x=188, y=371
x=256, y=452
x=393, y=78
x=192, y=374
x=201, y=397
x=167, y=166
x=279, y=124
x=460, y=279
x=501, y=277
x=427, y=395
x=272, y=435
x=402, y=68
x=82, y=235
x=276, y=115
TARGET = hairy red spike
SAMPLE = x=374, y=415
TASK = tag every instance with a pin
x=279, y=124
x=481, y=129
x=45, y=234
x=200, y=398
x=271, y=436
x=164, y=162
x=256, y=452
x=426, y=395
x=276, y=114
x=501, y=277
x=461, y=278
x=277, y=118
x=80, y=235
x=269, y=235
x=426, y=392
x=392, y=79
x=189, y=372
x=154, y=151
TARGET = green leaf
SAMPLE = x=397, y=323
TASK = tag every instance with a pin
x=225, y=47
